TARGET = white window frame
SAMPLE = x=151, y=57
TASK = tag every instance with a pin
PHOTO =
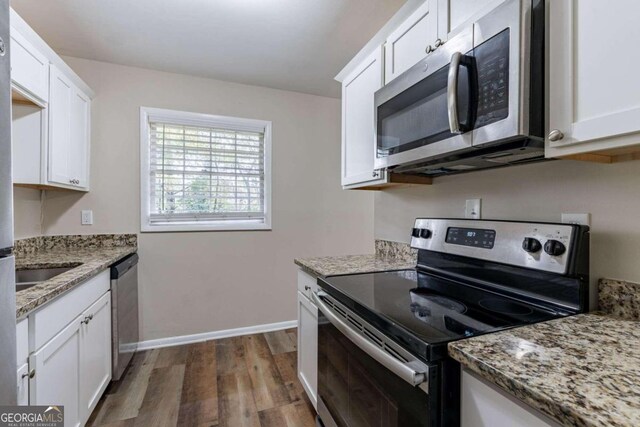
x=208, y=120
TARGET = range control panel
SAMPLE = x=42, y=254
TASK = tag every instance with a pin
x=541, y=246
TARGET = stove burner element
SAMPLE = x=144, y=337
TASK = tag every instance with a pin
x=444, y=302
x=505, y=307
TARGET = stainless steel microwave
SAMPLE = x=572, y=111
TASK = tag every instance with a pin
x=475, y=102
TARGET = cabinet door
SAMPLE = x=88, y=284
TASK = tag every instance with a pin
x=79, y=147
x=358, y=125
x=69, y=138
x=95, y=354
x=308, y=347
x=29, y=69
x=57, y=373
x=485, y=405
x=23, y=385
x=593, y=84
x=407, y=45
x=60, y=134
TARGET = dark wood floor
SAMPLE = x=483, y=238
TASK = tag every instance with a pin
x=235, y=382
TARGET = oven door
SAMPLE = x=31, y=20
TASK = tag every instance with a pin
x=428, y=110
x=365, y=379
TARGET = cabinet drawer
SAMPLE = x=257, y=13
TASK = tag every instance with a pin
x=52, y=318
x=22, y=341
x=307, y=283
x=29, y=68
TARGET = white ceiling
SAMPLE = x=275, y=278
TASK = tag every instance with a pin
x=297, y=45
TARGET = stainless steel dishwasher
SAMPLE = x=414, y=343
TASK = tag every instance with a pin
x=124, y=313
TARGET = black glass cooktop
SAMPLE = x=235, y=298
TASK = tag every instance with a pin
x=424, y=312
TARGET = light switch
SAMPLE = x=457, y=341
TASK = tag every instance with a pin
x=472, y=209
x=87, y=217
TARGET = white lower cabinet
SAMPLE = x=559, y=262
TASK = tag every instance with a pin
x=22, y=358
x=23, y=385
x=57, y=373
x=95, y=353
x=485, y=405
x=308, y=344
x=70, y=359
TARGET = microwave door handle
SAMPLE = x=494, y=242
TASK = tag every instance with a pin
x=452, y=93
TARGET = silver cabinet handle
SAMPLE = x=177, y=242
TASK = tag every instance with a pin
x=555, y=135
x=439, y=43
x=452, y=93
x=30, y=374
x=401, y=369
x=87, y=319
x=375, y=174
x=429, y=49
x=307, y=287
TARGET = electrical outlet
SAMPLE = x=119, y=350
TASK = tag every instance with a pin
x=576, y=218
x=473, y=208
x=87, y=217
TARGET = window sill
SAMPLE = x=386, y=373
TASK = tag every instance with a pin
x=194, y=227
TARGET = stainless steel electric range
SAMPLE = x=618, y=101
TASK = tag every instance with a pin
x=382, y=337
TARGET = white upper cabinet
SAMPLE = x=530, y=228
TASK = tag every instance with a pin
x=593, y=85
x=29, y=69
x=68, y=132
x=51, y=115
x=462, y=12
x=60, y=128
x=412, y=40
x=358, y=125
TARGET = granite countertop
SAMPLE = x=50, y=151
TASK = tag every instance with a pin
x=87, y=257
x=388, y=256
x=352, y=264
x=581, y=370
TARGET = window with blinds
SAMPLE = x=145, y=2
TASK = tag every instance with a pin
x=205, y=172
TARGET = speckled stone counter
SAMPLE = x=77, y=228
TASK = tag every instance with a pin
x=619, y=298
x=388, y=256
x=581, y=370
x=89, y=255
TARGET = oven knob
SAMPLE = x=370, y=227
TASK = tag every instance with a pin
x=425, y=233
x=531, y=245
x=554, y=248
x=415, y=232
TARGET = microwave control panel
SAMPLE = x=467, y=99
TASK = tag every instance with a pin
x=492, y=63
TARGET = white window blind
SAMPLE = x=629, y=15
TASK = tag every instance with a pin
x=205, y=173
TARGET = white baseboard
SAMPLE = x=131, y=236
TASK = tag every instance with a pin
x=206, y=336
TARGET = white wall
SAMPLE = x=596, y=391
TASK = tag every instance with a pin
x=27, y=221
x=538, y=192
x=200, y=282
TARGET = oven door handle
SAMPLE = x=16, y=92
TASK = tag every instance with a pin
x=452, y=93
x=403, y=370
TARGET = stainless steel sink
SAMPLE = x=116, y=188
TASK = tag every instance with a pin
x=26, y=279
